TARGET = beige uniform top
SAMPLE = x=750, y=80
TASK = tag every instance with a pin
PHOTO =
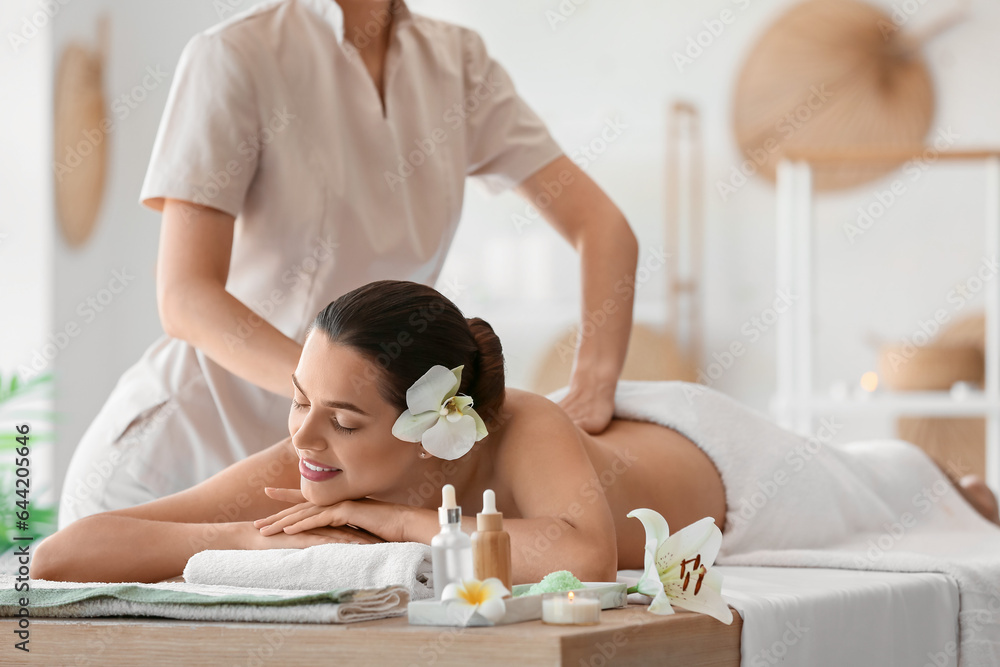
x=273, y=118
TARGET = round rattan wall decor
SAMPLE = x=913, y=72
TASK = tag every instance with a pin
x=830, y=74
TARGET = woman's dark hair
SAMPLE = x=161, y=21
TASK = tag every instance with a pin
x=405, y=328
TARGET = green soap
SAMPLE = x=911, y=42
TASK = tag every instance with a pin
x=561, y=580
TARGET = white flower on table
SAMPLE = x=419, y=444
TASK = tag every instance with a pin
x=472, y=595
x=677, y=567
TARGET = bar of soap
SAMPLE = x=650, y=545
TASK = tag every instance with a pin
x=560, y=580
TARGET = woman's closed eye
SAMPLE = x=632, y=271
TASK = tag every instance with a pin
x=343, y=429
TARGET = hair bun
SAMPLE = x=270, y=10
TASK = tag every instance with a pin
x=488, y=385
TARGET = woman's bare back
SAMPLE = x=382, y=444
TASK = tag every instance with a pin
x=643, y=464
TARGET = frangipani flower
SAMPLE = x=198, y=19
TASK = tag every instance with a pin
x=445, y=424
x=677, y=567
x=472, y=595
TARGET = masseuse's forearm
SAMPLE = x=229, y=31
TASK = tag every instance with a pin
x=235, y=337
x=608, y=256
x=538, y=546
x=114, y=548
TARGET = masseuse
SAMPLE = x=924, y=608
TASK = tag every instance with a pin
x=309, y=147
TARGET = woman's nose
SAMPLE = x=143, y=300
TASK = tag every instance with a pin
x=309, y=435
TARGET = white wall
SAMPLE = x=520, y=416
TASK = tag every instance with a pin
x=609, y=59
x=26, y=284
x=606, y=60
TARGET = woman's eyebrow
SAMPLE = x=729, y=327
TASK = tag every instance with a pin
x=343, y=405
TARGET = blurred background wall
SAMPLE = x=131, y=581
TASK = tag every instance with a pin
x=579, y=65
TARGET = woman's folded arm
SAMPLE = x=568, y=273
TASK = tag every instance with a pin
x=152, y=541
x=112, y=547
x=538, y=546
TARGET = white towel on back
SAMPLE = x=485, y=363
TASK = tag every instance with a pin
x=795, y=501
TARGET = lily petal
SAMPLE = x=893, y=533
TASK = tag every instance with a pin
x=707, y=601
x=702, y=538
x=411, y=427
x=661, y=604
x=450, y=440
x=657, y=532
x=431, y=390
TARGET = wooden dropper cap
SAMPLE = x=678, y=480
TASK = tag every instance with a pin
x=489, y=518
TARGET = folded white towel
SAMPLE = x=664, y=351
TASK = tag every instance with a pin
x=322, y=567
x=202, y=602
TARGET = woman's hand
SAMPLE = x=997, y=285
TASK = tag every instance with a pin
x=247, y=536
x=380, y=519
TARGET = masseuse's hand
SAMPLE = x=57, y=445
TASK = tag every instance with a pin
x=372, y=516
x=590, y=405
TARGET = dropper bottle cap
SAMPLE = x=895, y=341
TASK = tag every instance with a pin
x=449, y=512
x=489, y=518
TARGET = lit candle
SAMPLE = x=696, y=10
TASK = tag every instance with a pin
x=573, y=608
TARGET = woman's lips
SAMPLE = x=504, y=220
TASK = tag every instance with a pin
x=316, y=475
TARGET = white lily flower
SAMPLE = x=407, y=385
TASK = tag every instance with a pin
x=677, y=567
x=445, y=424
x=472, y=595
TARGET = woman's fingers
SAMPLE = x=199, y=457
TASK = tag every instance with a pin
x=281, y=515
x=291, y=519
x=319, y=520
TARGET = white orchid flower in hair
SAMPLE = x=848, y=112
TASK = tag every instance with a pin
x=445, y=424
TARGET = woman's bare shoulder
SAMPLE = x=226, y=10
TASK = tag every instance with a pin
x=530, y=421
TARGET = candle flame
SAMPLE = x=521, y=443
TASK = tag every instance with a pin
x=571, y=596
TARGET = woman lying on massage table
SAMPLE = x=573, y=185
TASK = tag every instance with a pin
x=343, y=475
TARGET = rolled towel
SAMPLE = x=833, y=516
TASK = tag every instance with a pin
x=322, y=567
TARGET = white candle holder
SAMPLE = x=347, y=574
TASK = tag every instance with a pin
x=580, y=607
